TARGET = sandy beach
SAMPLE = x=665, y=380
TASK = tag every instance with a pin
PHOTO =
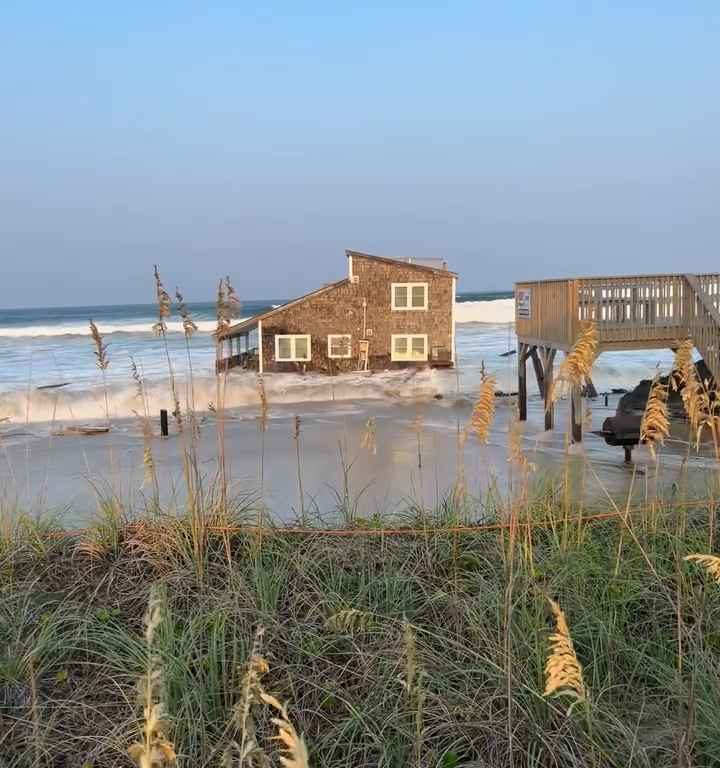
x=414, y=463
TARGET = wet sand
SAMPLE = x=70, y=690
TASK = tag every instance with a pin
x=416, y=459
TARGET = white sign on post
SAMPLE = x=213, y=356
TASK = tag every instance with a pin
x=523, y=303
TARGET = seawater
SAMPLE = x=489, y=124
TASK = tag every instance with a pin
x=49, y=346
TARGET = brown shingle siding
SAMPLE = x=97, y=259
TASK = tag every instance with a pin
x=364, y=305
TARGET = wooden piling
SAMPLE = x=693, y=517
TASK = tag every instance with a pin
x=522, y=382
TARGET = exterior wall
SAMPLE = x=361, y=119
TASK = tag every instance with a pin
x=340, y=310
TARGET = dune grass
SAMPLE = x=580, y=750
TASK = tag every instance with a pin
x=377, y=650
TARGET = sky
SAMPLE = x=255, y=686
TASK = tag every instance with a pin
x=516, y=140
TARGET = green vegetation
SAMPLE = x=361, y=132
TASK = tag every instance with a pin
x=424, y=648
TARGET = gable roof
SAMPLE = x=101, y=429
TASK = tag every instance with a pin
x=251, y=322
x=402, y=262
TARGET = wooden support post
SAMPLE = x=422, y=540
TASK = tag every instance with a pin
x=539, y=372
x=163, y=422
x=576, y=414
x=548, y=361
x=590, y=390
x=522, y=381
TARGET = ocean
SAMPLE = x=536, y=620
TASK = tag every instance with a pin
x=43, y=348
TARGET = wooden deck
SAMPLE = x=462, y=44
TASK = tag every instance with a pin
x=631, y=312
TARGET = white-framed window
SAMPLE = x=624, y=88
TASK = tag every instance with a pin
x=339, y=345
x=292, y=347
x=409, y=296
x=409, y=346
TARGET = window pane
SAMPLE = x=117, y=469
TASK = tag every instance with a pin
x=301, y=346
x=418, y=346
x=339, y=346
x=418, y=296
x=284, y=348
x=401, y=296
x=401, y=345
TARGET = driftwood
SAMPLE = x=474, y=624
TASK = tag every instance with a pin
x=88, y=431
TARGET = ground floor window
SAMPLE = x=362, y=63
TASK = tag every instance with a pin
x=409, y=347
x=292, y=348
x=339, y=345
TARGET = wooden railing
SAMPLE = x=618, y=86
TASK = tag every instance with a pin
x=704, y=318
x=644, y=311
x=634, y=311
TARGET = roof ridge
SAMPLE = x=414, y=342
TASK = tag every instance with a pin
x=401, y=261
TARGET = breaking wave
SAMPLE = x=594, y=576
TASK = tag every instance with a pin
x=497, y=311
x=83, y=403
x=106, y=329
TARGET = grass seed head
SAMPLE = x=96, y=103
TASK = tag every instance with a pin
x=101, y=357
x=515, y=451
x=369, y=438
x=483, y=412
x=655, y=425
x=164, y=305
x=264, y=408
x=563, y=672
x=232, y=300
x=227, y=305
x=694, y=393
x=293, y=745
x=577, y=366
x=188, y=324
x=154, y=750
x=710, y=563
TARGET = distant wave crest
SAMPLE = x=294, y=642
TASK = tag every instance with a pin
x=496, y=311
x=106, y=329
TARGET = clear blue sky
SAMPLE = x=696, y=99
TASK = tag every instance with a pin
x=517, y=140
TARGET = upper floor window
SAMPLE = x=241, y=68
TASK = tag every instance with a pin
x=409, y=295
x=292, y=348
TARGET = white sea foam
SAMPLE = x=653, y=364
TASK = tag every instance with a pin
x=497, y=311
x=87, y=403
x=106, y=329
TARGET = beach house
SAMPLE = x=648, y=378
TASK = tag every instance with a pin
x=387, y=313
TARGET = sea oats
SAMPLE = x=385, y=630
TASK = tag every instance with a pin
x=483, y=412
x=188, y=324
x=694, y=393
x=577, y=366
x=655, y=425
x=563, y=672
x=101, y=357
x=515, y=451
x=155, y=750
x=264, y=408
x=232, y=300
x=293, y=745
x=369, y=438
x=711, y=563
x=164, y=305
x=227, y=305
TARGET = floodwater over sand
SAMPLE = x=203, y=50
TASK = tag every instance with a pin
x=412, y=462
x=417, y=417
